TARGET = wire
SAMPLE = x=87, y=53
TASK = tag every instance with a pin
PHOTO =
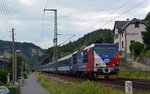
x=5, y=14
x=9, y=16
x=121, y=6
x=123, y=13
x=67, y=40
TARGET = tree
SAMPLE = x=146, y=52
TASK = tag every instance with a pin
x=146, y=35
x=19, y=62
x=137, y=47
x=147, y=18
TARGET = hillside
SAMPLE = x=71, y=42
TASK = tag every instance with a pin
x=30, y=51
x=104, y=35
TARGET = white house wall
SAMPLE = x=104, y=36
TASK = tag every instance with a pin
x=134, y=34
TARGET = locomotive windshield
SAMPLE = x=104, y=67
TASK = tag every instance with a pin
x=111, y=50
x=100, y=50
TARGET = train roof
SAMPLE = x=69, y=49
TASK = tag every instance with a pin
x=65, y=57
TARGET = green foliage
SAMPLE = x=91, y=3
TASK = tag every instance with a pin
x=147, y=47
x=25, y=75
x=20, y=59
x=84, y=87
x=136, y=73
x=137, y=47
x=3, y=76
x=14, y=89
x=146, y=35
x=147, y=18
x=32, y=70
x=102, y=34
x=26, y=51
x=1, y=83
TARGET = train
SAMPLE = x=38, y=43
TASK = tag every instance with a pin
x=93, y=61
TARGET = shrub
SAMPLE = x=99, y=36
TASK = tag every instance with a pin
x=32, y=70
x=137, y=47
x=14, y=89
x=25, y=75
x=3, y=76
x=1, y=83
x=147, y=47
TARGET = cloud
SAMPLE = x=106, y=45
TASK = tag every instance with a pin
x=74, y=17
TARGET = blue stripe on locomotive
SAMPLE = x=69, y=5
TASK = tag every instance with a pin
x=102, y=55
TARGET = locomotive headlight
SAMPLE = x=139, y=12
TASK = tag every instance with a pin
x=113, y=64
x=98, y=65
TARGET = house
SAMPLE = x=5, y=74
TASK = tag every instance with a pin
x=3, y=64
x=126, y=32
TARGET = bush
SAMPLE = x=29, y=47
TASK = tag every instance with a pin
x=147, y=47
x=32, y=70
x=137, y=47
x=3, y=76
x=1, y=83
x=25, y=75
x=14, y=89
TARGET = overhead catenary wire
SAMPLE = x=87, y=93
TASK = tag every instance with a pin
x=67, y=40
x=123, y=13
x=8, y=12
x=117, y=9
x=5, y=14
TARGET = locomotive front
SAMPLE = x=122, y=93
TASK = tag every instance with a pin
x=106, y=61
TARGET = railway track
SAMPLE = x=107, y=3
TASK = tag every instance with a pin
x=137, y=83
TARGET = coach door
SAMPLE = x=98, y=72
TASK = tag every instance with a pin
x=91, y=59
x=85, y=60
x=74, y=60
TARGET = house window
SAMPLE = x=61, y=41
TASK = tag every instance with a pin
x=122, y=34
x=132, y=41
x=122, y=44
x=142, y=33
x=137, y=24
x=116, y=36
x=117, y=44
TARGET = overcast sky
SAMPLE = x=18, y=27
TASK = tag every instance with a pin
x=74, y=17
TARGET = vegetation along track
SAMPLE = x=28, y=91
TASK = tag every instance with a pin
x=137, y=83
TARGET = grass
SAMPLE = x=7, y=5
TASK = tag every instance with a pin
x=134, y=73
x=86, y=87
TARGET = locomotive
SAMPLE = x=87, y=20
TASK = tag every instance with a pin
x=93, y=61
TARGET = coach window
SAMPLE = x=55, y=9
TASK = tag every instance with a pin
x=85, y=56
x=74, y=59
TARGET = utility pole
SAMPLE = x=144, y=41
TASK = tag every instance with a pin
x=13, y=55
x=55, y=38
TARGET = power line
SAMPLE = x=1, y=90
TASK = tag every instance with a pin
x=121, y=6
x=66, y=40
x=4, y=11
x=124, y=13
x=5, y=16
x=8, y=12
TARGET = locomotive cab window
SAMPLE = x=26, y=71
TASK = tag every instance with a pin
x=74, y=59
x=111, y=50
x=100, y=50
x=85, y=56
